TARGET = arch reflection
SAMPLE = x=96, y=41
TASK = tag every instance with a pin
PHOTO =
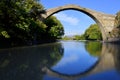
x=109, y=58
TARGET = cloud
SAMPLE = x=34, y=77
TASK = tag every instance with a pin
x=66, y=18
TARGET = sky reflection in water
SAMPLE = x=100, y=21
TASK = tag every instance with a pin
x=95, y=61
x=65, y=60
x=75, y=59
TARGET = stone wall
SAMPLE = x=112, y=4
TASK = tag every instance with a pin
x=117, y=20
x=109, y=24
x=115, y=33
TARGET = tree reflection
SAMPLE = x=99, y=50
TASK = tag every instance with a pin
x=26, y=63
x=109, y=61
x=94, y=48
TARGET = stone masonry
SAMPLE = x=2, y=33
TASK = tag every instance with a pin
x=104, y=21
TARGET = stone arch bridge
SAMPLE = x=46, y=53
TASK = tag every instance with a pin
x=104, y=21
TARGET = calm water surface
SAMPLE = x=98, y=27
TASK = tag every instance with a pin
x=64, y=60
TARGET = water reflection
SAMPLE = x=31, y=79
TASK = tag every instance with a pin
x=67, y=60
x=26, y=63
x=75, y=60
x=108, y=64
x=94, y=48
x=114, y=51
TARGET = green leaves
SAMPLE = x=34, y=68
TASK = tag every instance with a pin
x=20, y=24
x=93, y=33
x=117, y=20
x=56, y=31
x=5, y=34
x=54, y=28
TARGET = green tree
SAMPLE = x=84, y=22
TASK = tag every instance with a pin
x=15, y=20
x=93, y=33
x=20, y=24
x=67, y=38
x=79, y=37
x=54, y=27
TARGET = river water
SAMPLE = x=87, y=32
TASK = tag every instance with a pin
x=64, y=60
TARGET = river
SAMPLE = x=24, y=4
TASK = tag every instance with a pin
x=63, y=60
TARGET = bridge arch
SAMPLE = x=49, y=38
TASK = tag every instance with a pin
x=98, y=17
x=104, y=21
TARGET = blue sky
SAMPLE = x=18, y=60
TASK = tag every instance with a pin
x=75, y=22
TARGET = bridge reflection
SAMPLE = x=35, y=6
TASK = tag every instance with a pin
x=109, y=59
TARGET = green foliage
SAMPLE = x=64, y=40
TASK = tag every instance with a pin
x=5, y=34
x=15, y=19
x=117, y=20
x=93, y=33
x=55, y=28
x=19, y=23
x=67, y=38
x=79, y=37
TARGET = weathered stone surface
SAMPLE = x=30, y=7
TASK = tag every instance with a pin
x=117, y=20
x=115, y=33
x=104, y=21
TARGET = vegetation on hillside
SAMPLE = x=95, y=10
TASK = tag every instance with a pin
x=92, y=33
x=116, y=31
x=55, y=28
x=79, y=37
x=117, y=20
x=20, y=24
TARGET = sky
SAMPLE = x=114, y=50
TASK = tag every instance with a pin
x=75, y=22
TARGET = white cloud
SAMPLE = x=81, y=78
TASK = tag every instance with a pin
x=66, y=18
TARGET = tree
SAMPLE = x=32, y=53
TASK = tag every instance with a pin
x=79, y=37
x=54, y=28
x=20, y=24
x=93, y=33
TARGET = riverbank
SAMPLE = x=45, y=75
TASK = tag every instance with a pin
x=8, y=44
